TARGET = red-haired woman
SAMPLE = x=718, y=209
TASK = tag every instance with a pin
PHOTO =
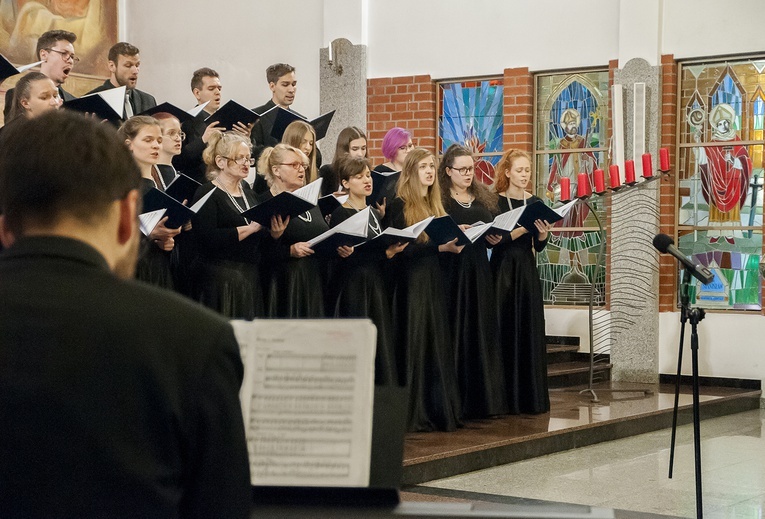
x=520, y=308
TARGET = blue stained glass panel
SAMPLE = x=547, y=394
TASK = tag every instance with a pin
x=471, y=114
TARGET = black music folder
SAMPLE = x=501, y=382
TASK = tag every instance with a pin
x=285, y=117
x=179, y=113
x=107, y=105
x=182, y=187
x=383, y=186
x=8, y=69
x=177, y=213
x=538, y=211
x=231, y=113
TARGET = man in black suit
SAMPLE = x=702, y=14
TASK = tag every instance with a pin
x=56, y=51
x=117, y=399
x=283, y=86
x=124, y=66
x=206, y=87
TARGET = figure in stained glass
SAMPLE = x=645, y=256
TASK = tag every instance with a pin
x=724, y=172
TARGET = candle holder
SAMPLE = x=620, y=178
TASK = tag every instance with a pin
x=651, y=178
x=618, y=188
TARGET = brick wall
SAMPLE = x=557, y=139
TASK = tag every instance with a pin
x=667, y=264
x=519, y=109
x=408, y=102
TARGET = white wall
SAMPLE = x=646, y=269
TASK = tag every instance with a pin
x=730, y=346
x=700, y=28
x=455, y=38
x=237, y=38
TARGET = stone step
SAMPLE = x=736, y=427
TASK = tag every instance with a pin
x=560, y=369
x=562, y=348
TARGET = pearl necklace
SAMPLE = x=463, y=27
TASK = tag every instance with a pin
x=467, y=204
x=374, y=224
x=233, y=200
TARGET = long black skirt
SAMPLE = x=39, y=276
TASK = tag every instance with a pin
x=231, y=288
x=426, y=357
x=295, y=289
x=521, y=316
x=359, y=291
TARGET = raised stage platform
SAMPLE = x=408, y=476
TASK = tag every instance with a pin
x=574, y=421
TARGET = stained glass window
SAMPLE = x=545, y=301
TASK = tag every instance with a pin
x=571, y=137
x=720, y=178
x=471, y=114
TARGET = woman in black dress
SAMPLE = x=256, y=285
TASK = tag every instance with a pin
x=470, y=289
x=357, y=288
x=143, y=136
x=34, y=94
x=396, y=144
x=426, y=363
x=351, y=142
x=230, y=246
x=295, y=277
x=520, y=309
x=184, y=253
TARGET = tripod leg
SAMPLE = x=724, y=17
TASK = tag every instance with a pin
x=696, y=418
x=677, y=399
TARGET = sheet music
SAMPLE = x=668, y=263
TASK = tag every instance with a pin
x=507, y=220
x=356, y=225
x=307, y=400
x=564, y=209
x=475, y=231
x=24, y=68
x=311, y=192
x=148, y=221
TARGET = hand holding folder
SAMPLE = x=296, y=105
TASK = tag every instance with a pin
x=285, y=204
x=177, y=214
x=349, y=233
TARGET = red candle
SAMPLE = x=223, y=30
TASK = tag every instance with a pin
x=647, y=165
x=629, y=171
x=565, y=189
x=600, y=180
x=613, y=171
x=664, y=159
x=583, y=186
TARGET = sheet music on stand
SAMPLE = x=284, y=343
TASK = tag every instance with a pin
x=307, y=400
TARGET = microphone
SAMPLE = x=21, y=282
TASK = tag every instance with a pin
x=666, y=245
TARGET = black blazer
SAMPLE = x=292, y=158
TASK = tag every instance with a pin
x=139, y=100
x=117, y=399
x=63, y=94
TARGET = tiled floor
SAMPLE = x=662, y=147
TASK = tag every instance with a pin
x=573, y=421
x=631, y=473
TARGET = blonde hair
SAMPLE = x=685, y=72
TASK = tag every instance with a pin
x=293, y=136
x=273, y=157
x=409, y=189
x=222, y=144
x=501, y=181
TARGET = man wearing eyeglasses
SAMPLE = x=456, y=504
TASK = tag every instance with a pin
x=56, y=51
x=124, y=65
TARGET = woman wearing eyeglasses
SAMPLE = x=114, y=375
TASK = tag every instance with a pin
x=301, y=135
x=172, y=141
x=230, y=246
x=426, y=356
x=295, y=276
x=184, y=253
x=470, y=289
x=143, y=136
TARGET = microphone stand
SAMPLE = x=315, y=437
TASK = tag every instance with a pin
x=695, y=316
